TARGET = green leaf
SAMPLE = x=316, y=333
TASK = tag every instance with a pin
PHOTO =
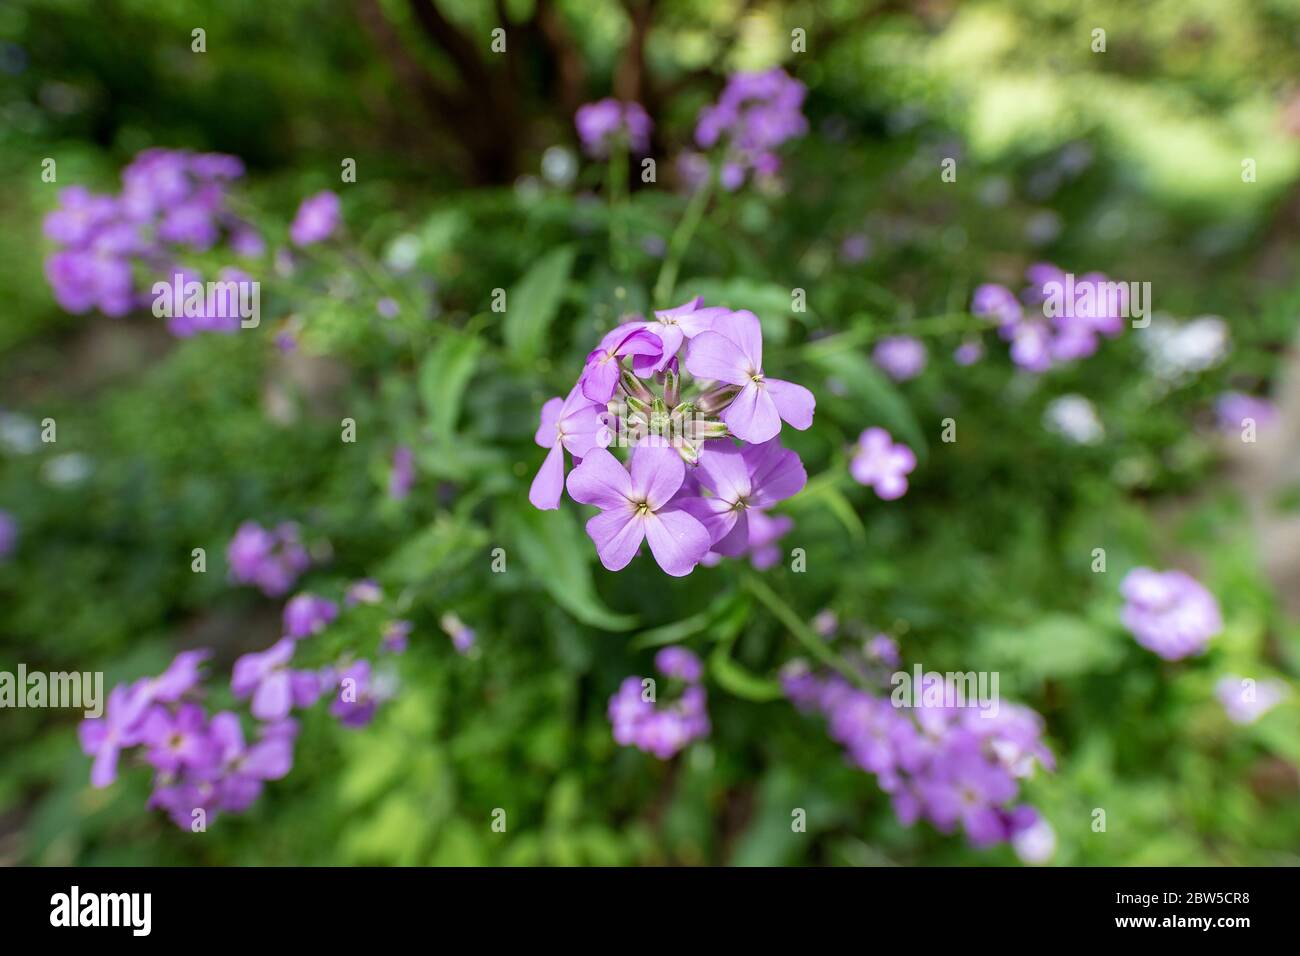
x=557, y=552
x=770, y=302
x=441, y=547
x=881, y=402
x=534, y=300
x=739, y=680
x=1056, y=646
x=443, y=376
x=678, y=631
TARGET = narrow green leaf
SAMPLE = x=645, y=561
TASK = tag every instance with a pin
x=881, y=402
x=443, y=376
x=739, y=680
x=556, y=552
x=532, y=303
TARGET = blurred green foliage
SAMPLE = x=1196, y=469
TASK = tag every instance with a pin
x=1126, y=162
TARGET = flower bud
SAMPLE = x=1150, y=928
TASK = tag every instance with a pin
x=717, y=399
x=634, y=387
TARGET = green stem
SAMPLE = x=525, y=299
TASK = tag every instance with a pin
x=934, y=325
x=617, y=188
x=681, y=240
x=802, y=632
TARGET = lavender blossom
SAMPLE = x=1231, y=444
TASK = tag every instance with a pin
x=307, y=614
x=882, y=465
x=271, y=560
x=604, y=122
x=1169, y=612
x=901, y=356
x=316, y=220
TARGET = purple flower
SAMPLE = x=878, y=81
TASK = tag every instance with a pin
x=181, y=676
x=105, y=737
x=757, y=476
x=1245, y=700
x=764, y=531
x=599, y=378
x=272, y=560
x=356, y=701
x=81, y=214
x=638, y=506
x=680, y=664
x=8, y=534
x=396, y=637
x=600, y=123
x=317, y=218
x=1232, y=409
x=402, y=475
x=244, y=769
x=998, y=302
x=274, y=687
x=178, y=741
x=1169, y=612
x=881, y=464
x=951, y=766
x=732, y=352
x=674, y=326
x=365, y=591
x=969, y=352
x=573, y=424
x=307, y=614
x=826, y=623
x=754, y=115
x=901, y=356
x=883, y=648
x=182, y=798
x=462, y=636
x=637, y=720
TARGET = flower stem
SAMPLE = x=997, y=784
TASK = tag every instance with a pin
x=933, y=325
x=681, y=240
x=616, y=183
x=802, y=632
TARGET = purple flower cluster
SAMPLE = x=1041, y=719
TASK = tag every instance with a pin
x=271, y=560
x=1041, y=334
x=881, y=464
x=171, y=201
x=755, y=114
x=602, y=123
x=954, y=766
x=638, y=720
x=1169, y=612
x=206, y=764
x=691, y=491
x=200, y=763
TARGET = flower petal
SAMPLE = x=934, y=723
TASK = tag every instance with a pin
x=600, y=480
x=618, y=534
x=776, y=473
x=677, y=540
x=752, y=415
x=717, y=358
x=724, y=471
x=746, y=331
x=550, y=417
x=794, y=403
x=717, y=516
x=548, y=486
x=657, y=473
